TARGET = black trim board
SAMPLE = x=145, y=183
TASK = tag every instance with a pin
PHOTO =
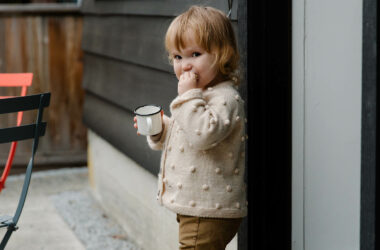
x=269, y=166
x=370, y=138
x=242, y=45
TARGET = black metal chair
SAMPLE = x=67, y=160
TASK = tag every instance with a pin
x=23, y=132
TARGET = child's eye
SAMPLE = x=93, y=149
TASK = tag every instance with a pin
x=196, y=54
x=177, y=57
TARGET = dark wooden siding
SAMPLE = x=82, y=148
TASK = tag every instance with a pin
x=126, y=66
x=49, y=45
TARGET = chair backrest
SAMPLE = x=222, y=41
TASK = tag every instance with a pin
x=25, y=103
x=31, y=131
x=8, y=80
x=23, y=80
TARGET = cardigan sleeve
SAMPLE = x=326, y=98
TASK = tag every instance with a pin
x=156, y=142
x=206, y=122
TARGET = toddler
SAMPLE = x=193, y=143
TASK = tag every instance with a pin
x=202, y=165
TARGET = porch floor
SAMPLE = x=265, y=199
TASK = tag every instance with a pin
x=60, y=213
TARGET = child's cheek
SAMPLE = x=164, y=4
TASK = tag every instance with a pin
x=177, y=70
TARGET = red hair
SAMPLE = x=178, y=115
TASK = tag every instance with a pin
x=213, y=32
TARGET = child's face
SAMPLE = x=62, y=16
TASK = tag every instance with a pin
x=193, y=58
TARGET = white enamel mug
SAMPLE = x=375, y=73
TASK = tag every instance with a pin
x=149, y=119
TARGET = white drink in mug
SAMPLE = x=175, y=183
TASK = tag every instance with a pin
x=149, y=119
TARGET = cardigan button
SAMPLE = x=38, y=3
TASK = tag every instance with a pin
x=218, y=206
x=230, y=154
x=198, y=132
x=192, y=169
x=217, y=170
x=236, y=171
x=237, y=97
x=172, y=166
x=192, y=203
x=205, y=187
x=228, y=188
x=179, y=185
x=227, y=122
x=243, y=138
x=245, y=120
x=237, y=205
x=172, y=200
x=181, y=148
x=237, y=118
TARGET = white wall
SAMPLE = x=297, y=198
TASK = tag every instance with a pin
x=327, y=44
x=128, y=193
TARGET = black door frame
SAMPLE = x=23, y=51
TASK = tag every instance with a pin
x=370, y=192
x=268, y=76
x=268, y=87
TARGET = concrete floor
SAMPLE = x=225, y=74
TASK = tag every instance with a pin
x=40, y=224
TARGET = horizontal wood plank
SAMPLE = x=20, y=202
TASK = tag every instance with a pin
x=152, y=8
x=139, y=40
x=128, y=85
x=134, y=39
x=49, y=46
x=115, y=125
x=39, y=8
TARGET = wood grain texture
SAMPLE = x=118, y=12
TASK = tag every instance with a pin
x=151, y=8
x=139, y=40
x=128, y=85
x=50, y=48
x=133, y=39
x=40, y=8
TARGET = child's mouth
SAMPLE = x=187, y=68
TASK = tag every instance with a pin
x=196, y=76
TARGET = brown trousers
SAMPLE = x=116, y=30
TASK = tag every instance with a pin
x=198, y=233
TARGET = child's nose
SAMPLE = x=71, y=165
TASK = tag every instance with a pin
x=186, y=66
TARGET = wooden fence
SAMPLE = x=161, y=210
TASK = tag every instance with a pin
x=47, y=44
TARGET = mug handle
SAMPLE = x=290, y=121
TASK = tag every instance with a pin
x=149, y=121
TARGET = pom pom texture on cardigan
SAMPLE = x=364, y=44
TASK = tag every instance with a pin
x=203, y=154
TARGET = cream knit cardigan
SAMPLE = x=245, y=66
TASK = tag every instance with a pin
x=203, y=151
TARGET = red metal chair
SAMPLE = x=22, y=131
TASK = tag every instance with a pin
x=23, y=81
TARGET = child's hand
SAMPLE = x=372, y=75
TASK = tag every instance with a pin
x=135, y=124
x=187, y=81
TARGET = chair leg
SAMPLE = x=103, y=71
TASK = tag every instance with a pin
x=6, y=237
